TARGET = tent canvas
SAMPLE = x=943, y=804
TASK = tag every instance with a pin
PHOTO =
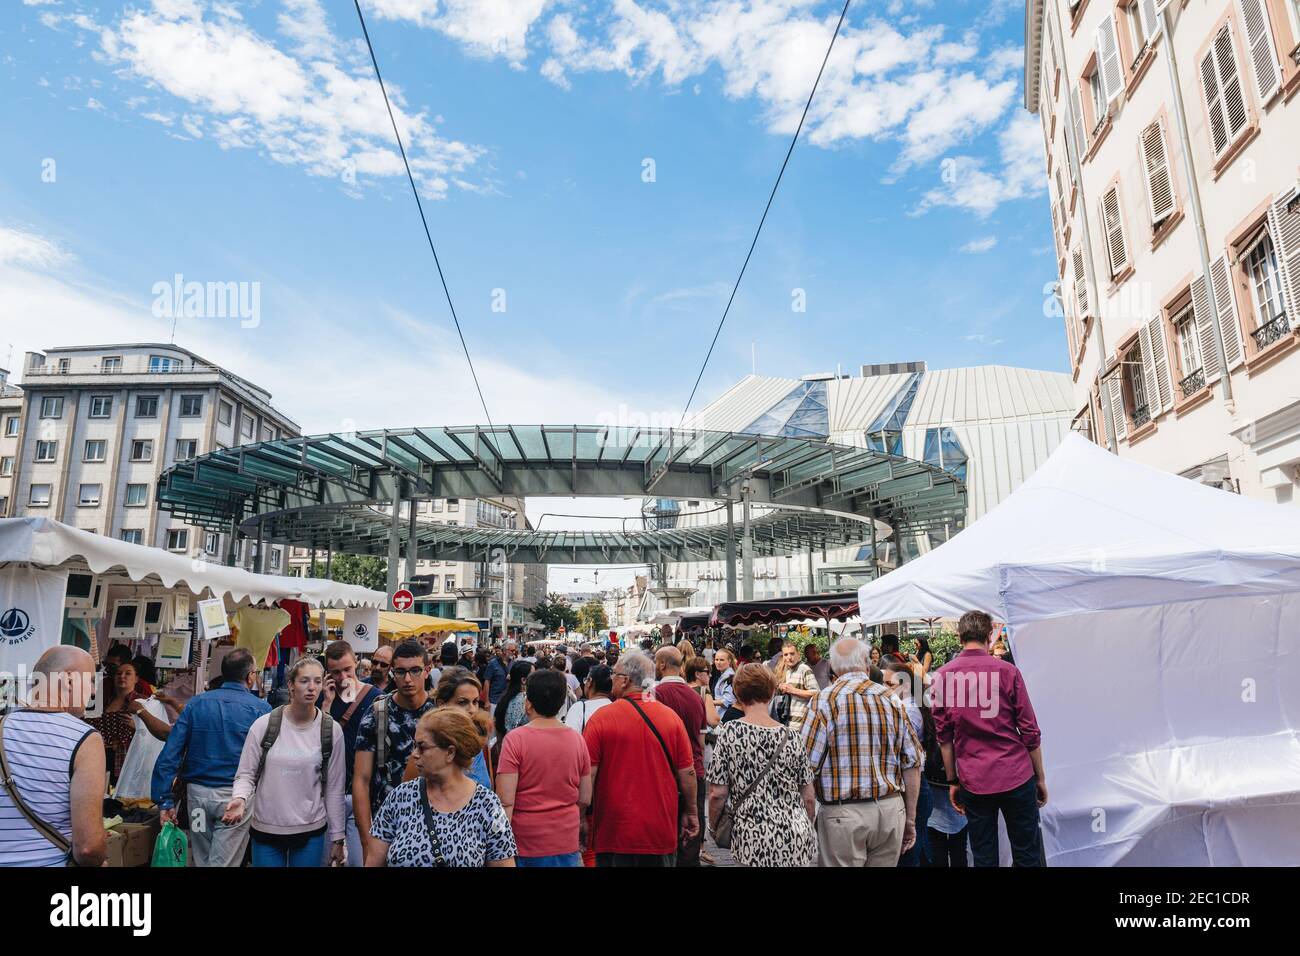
x=49, y=543
x=1157, y=623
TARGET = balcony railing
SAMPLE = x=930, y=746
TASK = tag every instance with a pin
x=1141, y=415
x=1192, y=383
x=1271, y=331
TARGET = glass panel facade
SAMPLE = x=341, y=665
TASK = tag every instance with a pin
x=801, y=414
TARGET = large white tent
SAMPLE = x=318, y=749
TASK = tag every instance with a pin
x=49, y=543
x=1157, y=623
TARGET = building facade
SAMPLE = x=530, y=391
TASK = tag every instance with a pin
x=95, y=426
x=989, y=425
x=11, y=414
x=1172, y=150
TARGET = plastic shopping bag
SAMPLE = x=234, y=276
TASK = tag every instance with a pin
x=171, y=848
x=137, y=770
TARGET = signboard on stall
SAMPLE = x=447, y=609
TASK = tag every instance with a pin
x=212, y=618
x=361, y=628
x=173, y=650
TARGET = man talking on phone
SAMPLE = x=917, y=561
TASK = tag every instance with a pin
x=347, y=699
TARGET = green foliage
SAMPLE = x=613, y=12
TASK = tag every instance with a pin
x=551, y=614
x=364, y=570
x=591, y=617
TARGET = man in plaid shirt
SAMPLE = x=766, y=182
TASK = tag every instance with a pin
x=866, y=762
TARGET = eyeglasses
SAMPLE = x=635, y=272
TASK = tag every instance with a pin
x=407, y=671
x=421, y=747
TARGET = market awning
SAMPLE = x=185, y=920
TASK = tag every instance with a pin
x=394, y=625
x=837, y=607
x=50, y=543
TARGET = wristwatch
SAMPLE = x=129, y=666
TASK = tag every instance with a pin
x=954, y=782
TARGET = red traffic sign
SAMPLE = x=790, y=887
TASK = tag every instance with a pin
x=402, y=600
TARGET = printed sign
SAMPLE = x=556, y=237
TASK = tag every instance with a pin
x=212, y=618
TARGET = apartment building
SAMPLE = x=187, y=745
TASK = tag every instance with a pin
x=11, y=410
x=1172, y=147
x=97, y=425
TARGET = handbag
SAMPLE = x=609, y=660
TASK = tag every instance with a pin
x=727, y=818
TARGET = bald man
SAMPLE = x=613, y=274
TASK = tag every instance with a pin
x=381, y=661
x=51, y=810
x=674, y=693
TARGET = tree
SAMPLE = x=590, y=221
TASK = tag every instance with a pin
x=552, y=614
x=364, y=570
x=591, y=617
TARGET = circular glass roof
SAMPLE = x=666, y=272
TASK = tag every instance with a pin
x=328, y=490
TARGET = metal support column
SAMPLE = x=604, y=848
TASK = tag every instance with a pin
x=311, y=565
x=394, y=548
x=412, y=548
x=812, y=579
x=329, y=559
x=875, y=562
x=261, y=542
x=747, y=544
x=731, y=553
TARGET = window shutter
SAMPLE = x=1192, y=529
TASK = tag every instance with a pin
x=1160, y=186
x=1150, y=18
x=1113, y=223
x=1080, y=283
x=1234, y=100
x=1115, y=384
x=1149, y=385
x=1203, y=310
x=1226, y=307
x=1214, y=104
x=1285, y=228
x=1259, y=38
x=1108, y=60
x=1163, y=396
x=1080, y=135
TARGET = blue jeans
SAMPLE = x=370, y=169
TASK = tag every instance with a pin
x=307, y=852
x=1019, y=808
x=559, y=859
x=919, y=855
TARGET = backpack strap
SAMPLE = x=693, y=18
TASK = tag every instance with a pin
x=268, y=740
x=40, y=826
x=380, y=710
x=326, y=750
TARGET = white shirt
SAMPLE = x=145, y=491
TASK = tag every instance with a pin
x=581, y=712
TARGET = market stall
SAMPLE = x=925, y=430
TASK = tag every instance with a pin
x=1157, y=624
x=394, y=626
x=795, y=609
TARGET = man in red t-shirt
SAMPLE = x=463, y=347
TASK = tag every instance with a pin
x=642, y=775
x=674, y=693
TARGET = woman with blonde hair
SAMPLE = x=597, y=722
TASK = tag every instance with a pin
x=443, y=818
x=796, y=683
x=295, y=793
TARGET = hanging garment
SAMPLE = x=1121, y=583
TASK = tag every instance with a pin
x=295, y=633
x=257, y=628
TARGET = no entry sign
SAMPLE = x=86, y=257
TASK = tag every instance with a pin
x=402, y=600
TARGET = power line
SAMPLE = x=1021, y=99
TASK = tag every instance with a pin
x=419, y=205
x=766, y=208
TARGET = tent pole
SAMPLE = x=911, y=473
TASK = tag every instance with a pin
x=731, y=551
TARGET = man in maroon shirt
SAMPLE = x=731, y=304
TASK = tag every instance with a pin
x=674, y=693
x=991, y=746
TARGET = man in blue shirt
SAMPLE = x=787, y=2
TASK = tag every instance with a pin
x=348, y=699
x=203, y=750
x=498, y=670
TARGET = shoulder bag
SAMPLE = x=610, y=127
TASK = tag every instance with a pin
x=727, y=819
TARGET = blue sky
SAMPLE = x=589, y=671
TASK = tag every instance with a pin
x=246, y=142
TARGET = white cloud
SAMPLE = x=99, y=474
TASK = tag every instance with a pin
x=22, y=248
x=983, y=244
x=314, y=107
x=980, y=338
x=968, y=185
x=487, y=27
x=93, y=104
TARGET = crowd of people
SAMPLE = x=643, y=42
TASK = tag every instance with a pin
x=597, y=756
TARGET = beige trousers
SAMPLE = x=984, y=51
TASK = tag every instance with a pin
x=861, y=834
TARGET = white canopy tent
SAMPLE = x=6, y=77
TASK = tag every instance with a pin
x=1157, y=623
x=48, y=543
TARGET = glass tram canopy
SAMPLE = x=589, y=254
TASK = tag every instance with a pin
x=336, y=491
